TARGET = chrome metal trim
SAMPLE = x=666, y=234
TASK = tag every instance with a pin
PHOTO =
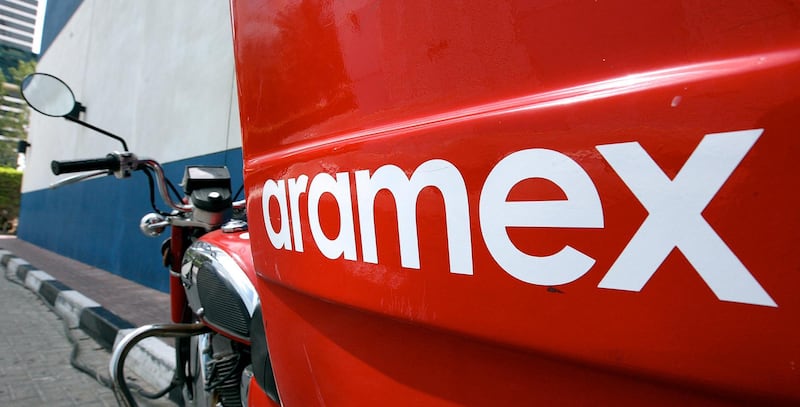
x=153, y=224
x=201, y=252
x=77, y=178
x=234, y=225
x=116, y=366
x=201, y=345
x=244, y=384
x=128, y=163
x=176, y=221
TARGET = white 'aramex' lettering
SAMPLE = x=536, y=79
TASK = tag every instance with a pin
x=297, y=187
x=675, y=217
x=434, y=173
x=581, y=209
x=345, y=242
x=276, y=189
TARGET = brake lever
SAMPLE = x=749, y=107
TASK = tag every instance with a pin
x=77, y=178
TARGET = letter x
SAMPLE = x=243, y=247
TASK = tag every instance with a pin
x=675, y=217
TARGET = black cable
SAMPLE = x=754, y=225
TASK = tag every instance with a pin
x=170, y=185
x=151, y=184
x=174, y=190
x=236, y=196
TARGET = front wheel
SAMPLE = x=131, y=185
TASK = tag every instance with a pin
x=214, y=371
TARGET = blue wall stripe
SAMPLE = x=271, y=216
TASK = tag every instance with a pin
x=97, y=221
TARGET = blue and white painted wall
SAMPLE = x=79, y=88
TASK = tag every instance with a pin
x=161, y=75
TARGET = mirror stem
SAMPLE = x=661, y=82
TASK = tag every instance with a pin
x=99, y=130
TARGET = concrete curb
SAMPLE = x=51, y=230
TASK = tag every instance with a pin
x=151, y=359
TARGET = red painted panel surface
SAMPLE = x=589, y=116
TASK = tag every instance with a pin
x=257, y=397
x=570, y=199
x=237, y=245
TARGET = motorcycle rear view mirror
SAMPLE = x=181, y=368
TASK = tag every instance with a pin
x=48, y=95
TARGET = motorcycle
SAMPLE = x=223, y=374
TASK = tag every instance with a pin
x=215, y=309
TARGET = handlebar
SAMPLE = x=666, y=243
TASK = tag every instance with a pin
x=122, y=165
x=108, y=163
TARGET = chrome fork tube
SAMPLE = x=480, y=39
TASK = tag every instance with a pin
x=116, y=366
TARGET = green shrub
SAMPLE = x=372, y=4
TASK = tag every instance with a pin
x=10, y=181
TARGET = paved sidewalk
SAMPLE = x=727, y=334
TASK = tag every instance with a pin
x=34, y=353
x=34, y=356
x=131, y=301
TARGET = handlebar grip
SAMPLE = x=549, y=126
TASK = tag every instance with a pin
x=109, y=162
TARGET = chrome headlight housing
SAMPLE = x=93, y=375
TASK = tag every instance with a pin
x=218, y=290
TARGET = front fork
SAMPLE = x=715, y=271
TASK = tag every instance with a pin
x=178, y=243
x=180, y=329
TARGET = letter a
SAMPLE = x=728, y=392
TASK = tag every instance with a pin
x=280, y=239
